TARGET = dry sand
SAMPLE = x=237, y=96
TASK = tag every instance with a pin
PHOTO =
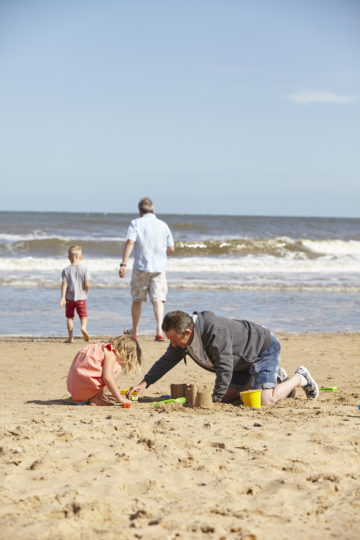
x=174, y=472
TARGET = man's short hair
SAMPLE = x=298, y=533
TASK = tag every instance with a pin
x=146, y=205
x=178, y=321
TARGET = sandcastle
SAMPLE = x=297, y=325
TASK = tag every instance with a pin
x=198, y=397
x=178, y=390
x=195, y=397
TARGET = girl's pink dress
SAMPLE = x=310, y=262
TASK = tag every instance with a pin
x=85, y=378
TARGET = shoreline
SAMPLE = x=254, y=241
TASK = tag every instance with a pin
x=175, y=472
x=149, y=338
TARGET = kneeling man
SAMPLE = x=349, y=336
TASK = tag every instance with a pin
x=241, y=353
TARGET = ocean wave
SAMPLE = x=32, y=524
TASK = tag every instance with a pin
x=301, y=248
x=48, y=244
x=194, y=265
x=333, y=247
x=252, y=273
x=41, y=244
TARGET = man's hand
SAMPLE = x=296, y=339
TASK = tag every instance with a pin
x=139, y=388
x=122, y=271
x=129, y=246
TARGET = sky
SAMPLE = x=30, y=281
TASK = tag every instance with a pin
x=246, y=107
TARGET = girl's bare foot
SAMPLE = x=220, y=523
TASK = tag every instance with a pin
x=100, y=401
x=86, y=336
x=110, y=398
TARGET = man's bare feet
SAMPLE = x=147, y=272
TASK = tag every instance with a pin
x=100, y=401
x=130, y=332
x=86, y=336
x=69, y=340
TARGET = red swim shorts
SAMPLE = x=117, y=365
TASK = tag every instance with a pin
x=79, y=305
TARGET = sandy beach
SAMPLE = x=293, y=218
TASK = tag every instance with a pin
x=175, y=472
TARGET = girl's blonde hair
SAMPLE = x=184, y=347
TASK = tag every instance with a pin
x=128, y=353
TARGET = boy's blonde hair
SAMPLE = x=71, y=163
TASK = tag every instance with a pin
x=74, y=251
x=128, y=352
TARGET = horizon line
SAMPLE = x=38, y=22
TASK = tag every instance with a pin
x=180, y=214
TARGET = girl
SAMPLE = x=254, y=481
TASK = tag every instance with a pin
x=96, y=368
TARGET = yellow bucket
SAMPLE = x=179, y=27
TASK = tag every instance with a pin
x=251, y=398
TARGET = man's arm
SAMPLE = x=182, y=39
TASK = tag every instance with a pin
x=170, y=359
x=224, y=371
x=170, y=242
x=129, y=246
x=221, y=354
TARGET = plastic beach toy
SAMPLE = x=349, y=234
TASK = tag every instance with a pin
x=174, y=400
x=126, y=405
x=133, y=397
x=251, y=398
x=328, y=388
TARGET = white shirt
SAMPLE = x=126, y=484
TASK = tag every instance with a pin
x=152, y=237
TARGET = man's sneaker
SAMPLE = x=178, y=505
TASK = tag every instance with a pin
x=311, y=389
x=283, y=376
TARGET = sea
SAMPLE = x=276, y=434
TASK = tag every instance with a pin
x=291, y=274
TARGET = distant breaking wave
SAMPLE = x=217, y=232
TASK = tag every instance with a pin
x=221, y=262
x=277, y=247
x=39, y=245
x=42, y=244
x=249, y=272
x=193, y=265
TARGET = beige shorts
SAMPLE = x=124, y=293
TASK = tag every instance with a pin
x=143, y=283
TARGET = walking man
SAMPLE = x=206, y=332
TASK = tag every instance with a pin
x=151, y=240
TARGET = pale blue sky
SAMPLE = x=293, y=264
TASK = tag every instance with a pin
x=225, y=107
